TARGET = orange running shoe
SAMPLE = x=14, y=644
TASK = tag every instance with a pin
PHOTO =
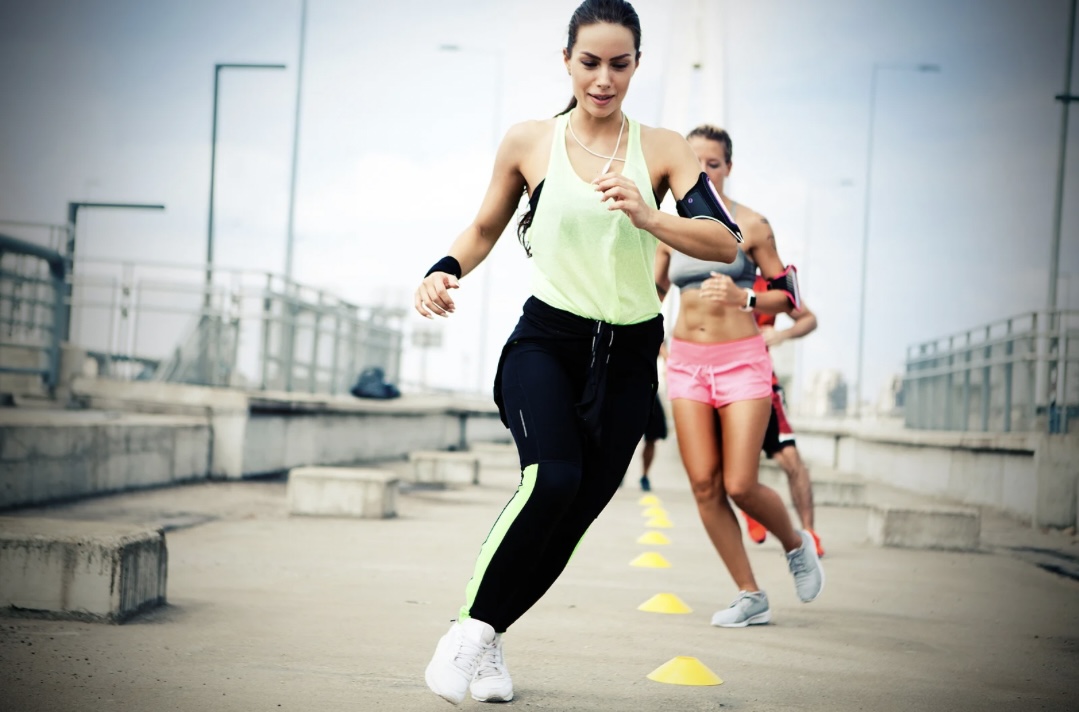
x=755, y=529
x=816, y=540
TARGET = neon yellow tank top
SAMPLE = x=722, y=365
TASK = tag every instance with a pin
x=588, y=260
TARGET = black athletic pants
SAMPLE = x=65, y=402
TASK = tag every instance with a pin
x=576, y=395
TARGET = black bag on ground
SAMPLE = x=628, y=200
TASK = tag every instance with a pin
x=372, y=384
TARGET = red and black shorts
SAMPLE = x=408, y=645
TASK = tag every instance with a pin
x=779, y=433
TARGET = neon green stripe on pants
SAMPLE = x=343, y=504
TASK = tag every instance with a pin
x=498, y=533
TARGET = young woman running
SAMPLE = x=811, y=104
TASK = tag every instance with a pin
x=577, y=376
x=719, y=383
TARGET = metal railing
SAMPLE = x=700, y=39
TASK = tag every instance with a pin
x=167, y=322
x=1018, y=374
x=245, y=329
x=32, y=309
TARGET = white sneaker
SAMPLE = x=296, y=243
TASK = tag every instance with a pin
x=748, y=609
x=805, y=565
x=492, y=682
x=457, y=657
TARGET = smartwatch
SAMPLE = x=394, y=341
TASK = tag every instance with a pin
x=751, y=301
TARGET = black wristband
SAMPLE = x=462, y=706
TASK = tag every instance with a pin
x=447, y=264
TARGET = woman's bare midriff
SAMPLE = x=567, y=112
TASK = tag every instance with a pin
x=705, y=322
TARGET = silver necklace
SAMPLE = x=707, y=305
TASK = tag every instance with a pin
x=610, y=159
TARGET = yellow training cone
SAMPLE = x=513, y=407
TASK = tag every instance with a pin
x=654, y=511
x=659, y=523
x=655, y=538
x=650, y=560
x=649, y=500
x=684, y=670
x=664, y=603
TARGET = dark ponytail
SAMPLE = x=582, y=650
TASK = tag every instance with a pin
x=526, y=220
x=569, y=107
x=589, y=12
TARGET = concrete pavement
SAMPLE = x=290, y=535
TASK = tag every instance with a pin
x=268, y=612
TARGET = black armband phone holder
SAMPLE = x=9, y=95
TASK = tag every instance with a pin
x=702, y=202
x=787, y=282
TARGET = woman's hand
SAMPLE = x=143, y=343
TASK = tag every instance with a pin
x=621, y=193
x=721, y=288
x=772, y=337
x=433, y=295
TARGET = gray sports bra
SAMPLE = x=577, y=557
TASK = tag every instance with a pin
x=688, y=272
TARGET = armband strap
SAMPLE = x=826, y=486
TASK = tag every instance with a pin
x=447, y=264
x=787, y=282
x=702, y=202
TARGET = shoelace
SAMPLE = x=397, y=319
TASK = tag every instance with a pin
x=467, y=652
x=491, y=663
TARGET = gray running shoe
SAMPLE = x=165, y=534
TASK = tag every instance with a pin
x=805, y=566
x=747, y=609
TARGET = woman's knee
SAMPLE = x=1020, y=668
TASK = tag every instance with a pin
x=707, y=490
x=741, y=489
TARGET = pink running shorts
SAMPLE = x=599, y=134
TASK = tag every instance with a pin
x=719, y=374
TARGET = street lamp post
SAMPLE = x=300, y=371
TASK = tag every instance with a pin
x=877, y=68
x=496, y=121
x=1058, y=414
x=1065, y=100
x=290, y=239
x=213, y=165
x=207, y=297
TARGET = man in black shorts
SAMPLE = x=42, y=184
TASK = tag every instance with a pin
x=779, y=442
x=656, y=430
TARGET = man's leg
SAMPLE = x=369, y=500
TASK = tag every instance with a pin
x=798, y=478
x=648, y=454
x=786, y=454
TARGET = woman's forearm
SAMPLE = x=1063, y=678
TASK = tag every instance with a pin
x=471, y=247
x=772, y=303
x=703, y=239
x=802, y=326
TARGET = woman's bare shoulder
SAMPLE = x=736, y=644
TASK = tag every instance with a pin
x=754, y=225
x=654, y=137
x=749, y=215
x=526, y=133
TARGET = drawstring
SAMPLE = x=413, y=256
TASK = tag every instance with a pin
x=697, y=370
x=542, y=323
x=591, y=404
x=712, y=383
x=711, y=371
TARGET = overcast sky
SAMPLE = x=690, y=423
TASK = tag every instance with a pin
x=111, y=100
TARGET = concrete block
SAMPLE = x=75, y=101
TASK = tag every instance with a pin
x=818, y=448
x=1056, y=473
x=97, y=571
x=497, y=456
x=440, y=467
x=485, y=427
x=827, y=492
x=229, y=430
x=277, y=442
x=838, y=493
x=953, y=528
x=342, y=492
